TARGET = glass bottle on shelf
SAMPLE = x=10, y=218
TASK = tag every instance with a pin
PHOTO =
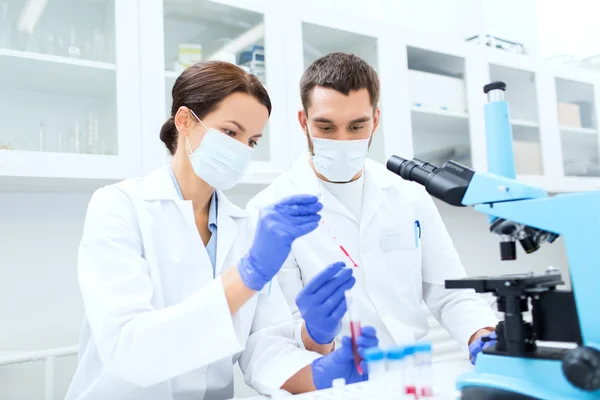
x=61, y=48
x=41, y=134
x=31, y=45
x=75, y=140
x=50, y=44
x=74, y=51
x=92, y=134
x=98, y=48
x=5, y=27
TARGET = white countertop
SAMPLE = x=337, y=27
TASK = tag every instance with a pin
x=445, y=375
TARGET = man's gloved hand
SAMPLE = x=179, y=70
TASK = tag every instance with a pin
x=322, y=303
x=480, y=344
x=340, y=363
x=277, y=228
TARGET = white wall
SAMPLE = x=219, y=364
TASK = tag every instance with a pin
x=40, y=305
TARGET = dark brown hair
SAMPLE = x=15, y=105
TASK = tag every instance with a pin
x=341, y=72
x=203, y=86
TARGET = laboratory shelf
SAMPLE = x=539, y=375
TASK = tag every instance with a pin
x=524, y=123
x=440, y=120
x=584, y=131
x=68, y=165
x=56, y=74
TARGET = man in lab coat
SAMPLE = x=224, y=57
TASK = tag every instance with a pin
x=389, y=227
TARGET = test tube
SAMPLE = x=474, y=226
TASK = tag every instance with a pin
x=424, y=369
x=355, y=328
x=338, y=389
x=376, y=370
x=410, y=376
x=395, y=367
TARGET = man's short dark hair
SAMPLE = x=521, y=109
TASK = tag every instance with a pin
x=341, y=72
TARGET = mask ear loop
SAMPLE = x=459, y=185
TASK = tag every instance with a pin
x=187, y=141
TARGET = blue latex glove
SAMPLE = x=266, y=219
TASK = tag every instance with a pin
x=340, y=363
x=479, y=344
x=278, y=226
x=322, y=303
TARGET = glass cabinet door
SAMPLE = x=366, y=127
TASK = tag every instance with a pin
x=320, y=40
x=440, y=120
x=521, y=95
x=578, y=128
x=61, y=88
x=207, y=30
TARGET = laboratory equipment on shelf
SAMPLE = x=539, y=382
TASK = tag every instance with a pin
x=74, y=51
x=6, y=28
x=355, y=328
x=253, y=60
x=519, y=365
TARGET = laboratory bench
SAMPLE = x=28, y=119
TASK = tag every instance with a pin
x=445, y=375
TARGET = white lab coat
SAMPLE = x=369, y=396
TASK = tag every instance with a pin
x=157, y=324
x=395, y=274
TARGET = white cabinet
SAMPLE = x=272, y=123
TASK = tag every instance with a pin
x=69, y=103
x=247, y=33
x=86, y=87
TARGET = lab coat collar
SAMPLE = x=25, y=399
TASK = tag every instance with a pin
x=309, y=183
x=375, y=184
x=159, y=186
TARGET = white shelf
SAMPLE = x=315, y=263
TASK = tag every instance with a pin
x=42, y=72
x=585, y=131
x=440, y=112
x=524, y=123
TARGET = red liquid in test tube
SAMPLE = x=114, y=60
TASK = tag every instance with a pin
x=354, y=264
x=355, y=330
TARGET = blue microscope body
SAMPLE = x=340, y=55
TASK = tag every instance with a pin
x=519, y=366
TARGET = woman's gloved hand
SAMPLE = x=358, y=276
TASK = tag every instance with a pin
x=277, y=228
x=322, y=303
x=340, y=363
x=478, y=345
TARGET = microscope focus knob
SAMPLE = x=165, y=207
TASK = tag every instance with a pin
x=581, y=366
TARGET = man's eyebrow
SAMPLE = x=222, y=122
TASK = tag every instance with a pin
x=323, y=120
x=359, y=120
x=238, y=125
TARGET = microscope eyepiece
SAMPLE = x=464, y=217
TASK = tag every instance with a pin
x=448, y=183
x=411, y=170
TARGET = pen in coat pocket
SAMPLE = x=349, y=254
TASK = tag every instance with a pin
x=417, y=232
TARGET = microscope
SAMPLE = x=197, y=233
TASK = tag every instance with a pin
x=522, y=365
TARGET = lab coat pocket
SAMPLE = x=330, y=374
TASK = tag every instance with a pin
x=402, y=259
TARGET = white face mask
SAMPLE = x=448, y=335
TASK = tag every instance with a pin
x=220, y=160
x=339, y=160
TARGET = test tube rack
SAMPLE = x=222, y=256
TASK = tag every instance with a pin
x=366, y=391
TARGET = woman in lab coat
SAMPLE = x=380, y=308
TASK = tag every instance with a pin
x=169, y=269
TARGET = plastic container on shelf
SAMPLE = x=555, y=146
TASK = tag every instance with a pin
x=254, y=61
x=437, y=92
